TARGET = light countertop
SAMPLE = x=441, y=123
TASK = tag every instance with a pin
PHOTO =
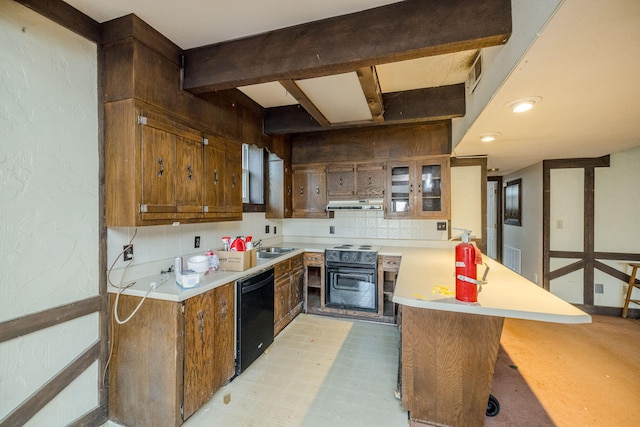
x=167, y=289
x=424, y=272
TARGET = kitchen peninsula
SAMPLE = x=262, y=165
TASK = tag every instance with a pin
x=449, y=348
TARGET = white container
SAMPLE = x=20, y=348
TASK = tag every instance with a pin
x=198, y=263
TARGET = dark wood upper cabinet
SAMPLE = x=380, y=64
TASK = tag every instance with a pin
x=418, y=188
x=341, y=182
x=370, y=180
x=309, y=191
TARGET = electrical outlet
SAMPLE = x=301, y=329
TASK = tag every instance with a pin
x=332, y=229
x=196, y=242
x=442, y=226
x=598, y=288
x=127, y=253
x=266, y=229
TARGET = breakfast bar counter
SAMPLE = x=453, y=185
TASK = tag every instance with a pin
x=449, y=347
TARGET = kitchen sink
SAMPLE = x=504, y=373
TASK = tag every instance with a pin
x=272, y=252
x=277, y=250
x=266, y=255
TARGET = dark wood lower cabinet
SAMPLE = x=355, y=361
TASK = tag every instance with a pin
x=447, y=363
x=289, y=289
x=171, y=357
x=314, y=285
x=209, y=345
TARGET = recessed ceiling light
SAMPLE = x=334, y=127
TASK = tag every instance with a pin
x=489, y=137
x=523, y=104
x=492, y=170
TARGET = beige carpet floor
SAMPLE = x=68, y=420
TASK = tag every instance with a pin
x=568, y=375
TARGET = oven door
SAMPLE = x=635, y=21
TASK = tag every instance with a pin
x=352, y=288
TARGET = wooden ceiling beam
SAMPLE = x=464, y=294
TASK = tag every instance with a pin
x=288, y=119
x=413, y=106
x=306, y=103
x=396, y=32
x=373, y=94
x=433, y=103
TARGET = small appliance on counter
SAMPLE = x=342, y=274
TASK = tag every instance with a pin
x=185, y=278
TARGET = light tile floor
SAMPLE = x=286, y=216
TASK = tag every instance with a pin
x=319, y=371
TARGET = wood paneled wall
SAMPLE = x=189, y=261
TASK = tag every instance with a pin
x=372, y=144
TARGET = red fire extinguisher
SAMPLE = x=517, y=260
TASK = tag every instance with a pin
x=468, y=256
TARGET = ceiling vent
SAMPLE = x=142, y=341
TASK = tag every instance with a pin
x=475, y=73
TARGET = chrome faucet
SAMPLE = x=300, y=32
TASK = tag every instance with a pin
x=258, y=244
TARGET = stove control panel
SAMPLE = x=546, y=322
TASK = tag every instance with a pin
x=351, y=257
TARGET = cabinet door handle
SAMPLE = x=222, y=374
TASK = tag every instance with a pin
x=288, y=191
x=369, y=179
x=201, y=321
x=318, y=191
x=223, y=309
x=161, y=169
x=233, y=179
x=215, y=176
x=302, y=191
x=190, y=170
x=411, y=188
x=340, y=182
x=419, y=188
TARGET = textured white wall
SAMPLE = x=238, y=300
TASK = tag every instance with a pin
x=48, y=205
x=617, y=218
x=617, y=229
x=466, y=200
x=566, y=210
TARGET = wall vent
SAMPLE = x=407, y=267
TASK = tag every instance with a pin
x=475, y=72
x=511, y=258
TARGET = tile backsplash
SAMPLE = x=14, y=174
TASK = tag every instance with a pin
x=156, y=246
x=365, y=225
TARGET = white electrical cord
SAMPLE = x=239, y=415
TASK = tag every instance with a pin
x=135, y=310
x=121, y=289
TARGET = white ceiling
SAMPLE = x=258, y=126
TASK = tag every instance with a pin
x=583, y=65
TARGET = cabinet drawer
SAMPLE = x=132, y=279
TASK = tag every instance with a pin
x=281, y=282
x=314, y=258
x=296, y=262
x=281, y=268
x=390, y=263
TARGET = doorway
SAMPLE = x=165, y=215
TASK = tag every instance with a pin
x=494, y=218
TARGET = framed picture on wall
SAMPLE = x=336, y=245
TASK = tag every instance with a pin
x=513, y=203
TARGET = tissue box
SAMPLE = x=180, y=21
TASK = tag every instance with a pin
x=237, y=261
x=188, y=279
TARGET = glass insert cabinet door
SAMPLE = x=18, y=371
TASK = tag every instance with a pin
x=418, y=188
x=401, y=189
x=430, y=194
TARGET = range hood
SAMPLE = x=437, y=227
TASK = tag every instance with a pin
x=338, y=205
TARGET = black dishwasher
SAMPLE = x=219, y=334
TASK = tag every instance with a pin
x=254, y=330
